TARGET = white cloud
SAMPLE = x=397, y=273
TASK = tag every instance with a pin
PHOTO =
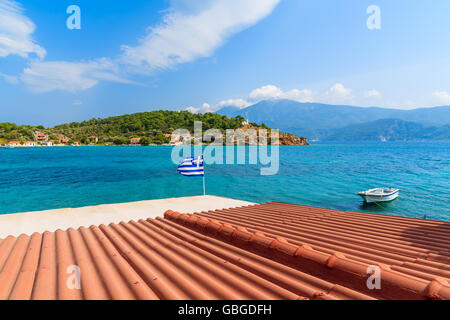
x=192, y=109
x=186, y=36
x=338, y=91
x=266, y=93
x=304, y=95
x=9, y=79
x=69, y=76
x=270, y=92
x=337, y=94
x=442, y=97
x=372, y=94
x=15, y=32
x=189, y=31
x=240, y=103
x=44, y=76
x=205, y=108
x=77, y=103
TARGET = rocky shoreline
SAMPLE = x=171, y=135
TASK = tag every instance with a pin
x=287, y=139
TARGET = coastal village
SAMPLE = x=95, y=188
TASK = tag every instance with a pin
x=43, y=140
x=51, y=139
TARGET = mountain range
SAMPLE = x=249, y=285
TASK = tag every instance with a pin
x=325, y=122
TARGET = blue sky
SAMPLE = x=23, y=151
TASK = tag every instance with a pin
x=133, y=56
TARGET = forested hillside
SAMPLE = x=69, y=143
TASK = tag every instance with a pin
x=152, y=127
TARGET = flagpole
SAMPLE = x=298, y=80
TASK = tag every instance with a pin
x=204, y=189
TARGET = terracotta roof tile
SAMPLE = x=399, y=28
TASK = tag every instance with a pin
x=153, y=259
x=414, y=253
x=269, y=251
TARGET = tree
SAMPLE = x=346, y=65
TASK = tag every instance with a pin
x=12, y=135
x=145, y=141
x=118, y=141
x=121, y=140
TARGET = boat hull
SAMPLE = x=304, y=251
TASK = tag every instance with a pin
x=381, y=198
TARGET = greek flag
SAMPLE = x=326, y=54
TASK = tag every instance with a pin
x=192, y=167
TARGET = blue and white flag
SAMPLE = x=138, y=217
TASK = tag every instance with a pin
x=192, y=167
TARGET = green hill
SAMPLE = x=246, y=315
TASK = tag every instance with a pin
x=151, y=126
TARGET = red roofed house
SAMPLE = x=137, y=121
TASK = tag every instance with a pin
x=92, y=139
x=14, y=144
x=63, y=140
x=41, y=137
x=135, y=140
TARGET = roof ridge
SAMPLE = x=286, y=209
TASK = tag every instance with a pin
x=279, y=248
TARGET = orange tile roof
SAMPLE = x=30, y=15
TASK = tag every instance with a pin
x=413, y=254
x=224, y=255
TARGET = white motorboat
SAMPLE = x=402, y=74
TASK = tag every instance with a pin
x=380, y=195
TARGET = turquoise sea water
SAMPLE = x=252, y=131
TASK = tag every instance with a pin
x=322, y=175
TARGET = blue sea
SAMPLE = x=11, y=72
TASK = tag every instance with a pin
x=322, y=175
